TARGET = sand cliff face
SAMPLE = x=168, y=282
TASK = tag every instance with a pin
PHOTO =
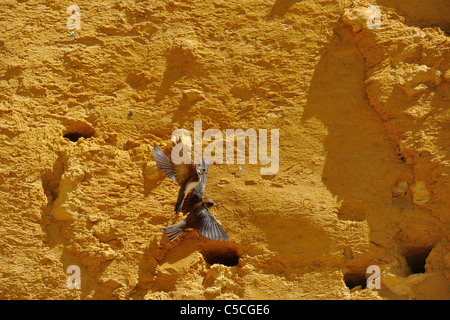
x=363, y=119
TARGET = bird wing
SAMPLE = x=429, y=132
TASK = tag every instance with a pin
x=208, y=226
x=176, y=172
x=183, y=171
x=175, y=230
x=163, y=162
x=196, y=195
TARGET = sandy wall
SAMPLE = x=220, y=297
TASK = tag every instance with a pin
x=363, y=179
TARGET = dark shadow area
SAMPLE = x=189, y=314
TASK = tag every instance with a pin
x=220, y=252
x=50, y=182
x=149, y=186
x=76, y=129
x=361, y=162
x=280, y=7
x=74, y=136
x=179, y=63
x=422, y=14
x=416, y=258
x=353, y=280
x=138, y=81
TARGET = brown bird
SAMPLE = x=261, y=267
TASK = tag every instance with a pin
x=196, y=195
x=188, y=176
x=198, y=218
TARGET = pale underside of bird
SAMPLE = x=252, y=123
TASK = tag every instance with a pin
x=188, y=176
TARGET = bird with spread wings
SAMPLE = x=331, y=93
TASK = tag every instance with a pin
x=188, y=176
x=192, y=203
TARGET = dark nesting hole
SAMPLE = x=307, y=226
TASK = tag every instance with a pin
x=416, y=259
x=73, y=136
x=78, y=129
x=353, y=280
x=225, y=255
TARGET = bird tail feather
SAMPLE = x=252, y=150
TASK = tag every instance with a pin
x=175, y=230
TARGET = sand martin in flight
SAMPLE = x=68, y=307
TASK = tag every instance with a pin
x=198, y=216
x=188, y=176
x=202, y=220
